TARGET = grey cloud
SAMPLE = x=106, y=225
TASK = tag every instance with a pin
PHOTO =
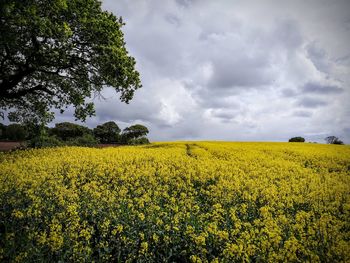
x=309, y=102
x=303, y=114
x=289, y=92
x=312, y=88
x=343, y=60
x=231, y=72
x=214, y=98
x=251, y=51
x=184, y=3
x=317, y=88
x=220, y=29
x=315, y=52
x=288, y=34
x=347, y=130
x=190, y=128
x=318, y=56
x=208, y=35
x=246, y=61
x=157, y=50
x=234, y=115
x=108, y=111
x=173, y=19
x=141, y=108
x=224, y=114
x=220, y=102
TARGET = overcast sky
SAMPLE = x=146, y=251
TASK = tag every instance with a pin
x=235, y=70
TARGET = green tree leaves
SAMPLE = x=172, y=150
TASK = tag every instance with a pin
x=107, y=132
x=59, y=53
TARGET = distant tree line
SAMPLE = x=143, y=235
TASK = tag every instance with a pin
x=66, y=133
x=329, y=140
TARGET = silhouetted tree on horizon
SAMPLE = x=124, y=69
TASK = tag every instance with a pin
x=333, y=140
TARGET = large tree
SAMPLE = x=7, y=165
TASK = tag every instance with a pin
x=55, y=53
x=333, y=140
x=107, y=132
x=135, y=131
x=135, y=134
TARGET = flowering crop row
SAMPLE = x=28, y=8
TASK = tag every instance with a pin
x=177, y=202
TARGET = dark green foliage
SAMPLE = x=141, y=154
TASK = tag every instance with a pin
x=333, y=140
x=71, y=134
x=297, y=139
x=55, y=53
x=2, y=131
x=107, y=132
x=35, y=130
x=15, y=132
x=135, y=131
x=123, y=139
x=66, y=130
x=52, y=141
x=86, y=140
x=20, y=132
x=44, y=141
x=143, y=140
x=137, y=141
x=134, y=134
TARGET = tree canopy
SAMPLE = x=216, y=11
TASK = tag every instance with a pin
x=107, y=132
x=55, y=53
x=135, y=131
x=333, y=140
x=16, y=132
x=297, y=139
x=68, y=130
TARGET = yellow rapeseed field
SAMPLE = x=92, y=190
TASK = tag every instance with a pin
x=177, y=202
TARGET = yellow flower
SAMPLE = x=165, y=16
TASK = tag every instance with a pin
x=141, y=216
x=144, y=247
x=118, y=229
x=195, y=259
x=155, y=237
x=276, y=202
x=17, y=214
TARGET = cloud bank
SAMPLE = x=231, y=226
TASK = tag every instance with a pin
x=235, y=70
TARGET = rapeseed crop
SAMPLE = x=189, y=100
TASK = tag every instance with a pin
x=177, y=202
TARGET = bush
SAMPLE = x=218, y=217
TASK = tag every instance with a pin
x=143, y=140
x=15, y=132
x=52, y=141
x=85, y=140
x=35, y=130
x=2, y=131
x=138, y=141
x=67, y=131
x=297, y=139
x=44, y=141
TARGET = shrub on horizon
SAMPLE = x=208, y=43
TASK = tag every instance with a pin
x=296, y=139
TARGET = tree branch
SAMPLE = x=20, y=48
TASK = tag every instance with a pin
x=24, y=92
